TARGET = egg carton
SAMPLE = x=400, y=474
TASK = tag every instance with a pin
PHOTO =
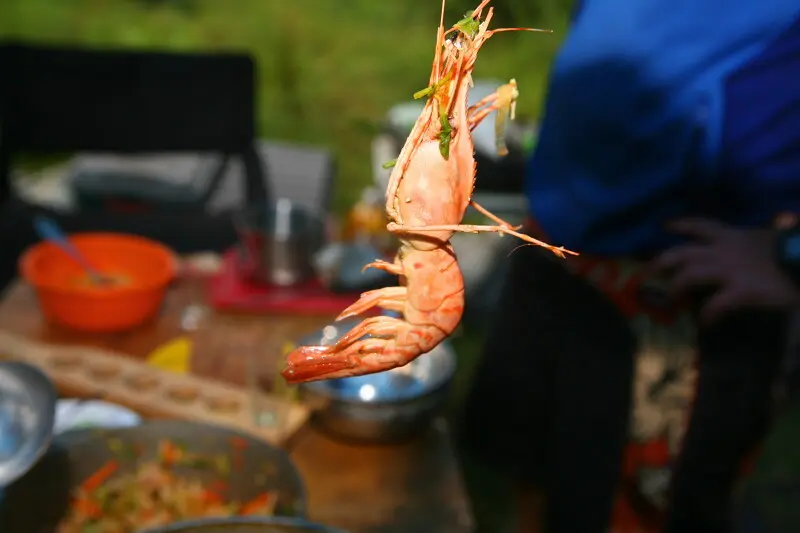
x=92, y=373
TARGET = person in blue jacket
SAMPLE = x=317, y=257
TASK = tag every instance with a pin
x=656, y=111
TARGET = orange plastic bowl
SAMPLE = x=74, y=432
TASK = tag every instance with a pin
x=146, y=266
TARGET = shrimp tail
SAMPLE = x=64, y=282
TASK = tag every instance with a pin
x=312, y=363
x=365, y=356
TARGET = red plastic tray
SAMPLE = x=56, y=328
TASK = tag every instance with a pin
x=231, y=290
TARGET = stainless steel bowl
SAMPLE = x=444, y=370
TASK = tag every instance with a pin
x=278, y=242
x=384, y=407
x=27, y=416
x=245, y=524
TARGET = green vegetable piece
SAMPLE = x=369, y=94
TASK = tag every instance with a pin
x=92, y=527
x=446, y=135
x=223, y=465
x=431, y=91
x=422, y=93
x=199, y=462
x=468, y=25
x=444, y=144
x=128, y=453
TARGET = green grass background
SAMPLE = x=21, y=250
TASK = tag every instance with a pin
x=328, y=70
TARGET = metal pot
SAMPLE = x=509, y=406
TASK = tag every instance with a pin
x=27, y=416
x=245, y=524
x=278, y=242
x=384, y=407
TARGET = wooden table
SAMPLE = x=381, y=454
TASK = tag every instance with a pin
x=408, y=488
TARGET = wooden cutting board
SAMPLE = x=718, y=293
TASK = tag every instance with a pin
x=87, y=372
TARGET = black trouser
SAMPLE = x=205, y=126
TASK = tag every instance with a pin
x=739, y=362
x=552, y=395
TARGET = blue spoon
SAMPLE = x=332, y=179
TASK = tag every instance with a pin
x=48, y=230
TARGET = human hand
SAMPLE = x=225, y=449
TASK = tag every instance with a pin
x=737, y=263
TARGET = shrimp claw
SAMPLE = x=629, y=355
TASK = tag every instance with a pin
x=354, y=354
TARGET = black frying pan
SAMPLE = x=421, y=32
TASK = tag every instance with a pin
x=38, y=501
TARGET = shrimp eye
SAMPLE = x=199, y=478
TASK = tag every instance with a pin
x=455, y=39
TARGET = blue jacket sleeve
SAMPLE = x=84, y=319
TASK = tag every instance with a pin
x=637, y=131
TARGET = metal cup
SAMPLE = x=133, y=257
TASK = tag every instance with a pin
x=278, y=242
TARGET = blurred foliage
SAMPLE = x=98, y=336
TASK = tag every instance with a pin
x=328, y=70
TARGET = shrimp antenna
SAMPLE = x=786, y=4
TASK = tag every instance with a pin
x=477, y=12
x=437, y=57
x=535, y=30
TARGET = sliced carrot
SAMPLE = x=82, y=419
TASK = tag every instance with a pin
x=100, y=476
x=256, y=504
x=170, y=454
x=239, y=443
x=211, y=497
x=87, y=507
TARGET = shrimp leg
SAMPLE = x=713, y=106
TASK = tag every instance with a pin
x=392, y=268
x=483, y=102
x=471, y=228
x=500, y=126
x=377, y=326
x=491, y=216
x=504, y=101
x=475, y=120
x=476, y=117
x=390, y=298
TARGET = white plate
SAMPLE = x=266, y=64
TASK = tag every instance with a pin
x=74, y=414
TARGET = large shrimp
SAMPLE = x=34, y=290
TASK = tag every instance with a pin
x=429, y=191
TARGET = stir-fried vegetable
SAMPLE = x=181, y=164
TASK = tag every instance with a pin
x=154, y=495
